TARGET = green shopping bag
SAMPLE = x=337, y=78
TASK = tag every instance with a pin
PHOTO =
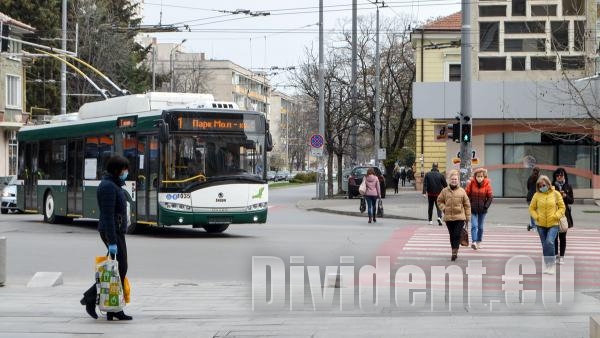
x=108, y=286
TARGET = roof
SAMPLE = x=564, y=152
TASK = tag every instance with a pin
x=13, y=22
x=451, y=22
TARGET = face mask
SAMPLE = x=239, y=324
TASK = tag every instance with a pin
x=479, y=179
x=123, y=176
x=544, y=189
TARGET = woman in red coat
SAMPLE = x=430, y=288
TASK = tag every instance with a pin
x=479, y=190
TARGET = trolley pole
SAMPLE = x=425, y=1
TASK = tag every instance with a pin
x=465, y=95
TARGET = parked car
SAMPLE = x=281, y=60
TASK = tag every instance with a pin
x=9, y=199
x=271, y=176
x=283, y=175
x=356, y=177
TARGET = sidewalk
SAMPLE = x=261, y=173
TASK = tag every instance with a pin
x=172, y=308
x=409, y=204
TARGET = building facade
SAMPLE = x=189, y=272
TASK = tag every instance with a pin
x=532, y=88
x=12, y=92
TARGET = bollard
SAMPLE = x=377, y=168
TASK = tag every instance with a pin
x=2, y=260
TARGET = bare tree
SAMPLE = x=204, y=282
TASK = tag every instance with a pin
x=189, y=76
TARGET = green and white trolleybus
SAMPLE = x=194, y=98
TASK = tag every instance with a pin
x=193, y=161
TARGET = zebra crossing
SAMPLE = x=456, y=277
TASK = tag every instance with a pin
x=427, y=246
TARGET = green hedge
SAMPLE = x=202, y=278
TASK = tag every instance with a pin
x=304, y=178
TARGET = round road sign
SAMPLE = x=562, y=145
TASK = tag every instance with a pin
x=316, y=141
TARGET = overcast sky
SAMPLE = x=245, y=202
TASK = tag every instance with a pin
x=277, y=39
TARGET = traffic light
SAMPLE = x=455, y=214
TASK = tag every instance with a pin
x=5, y=42
x=454, y=131
x=466, y=133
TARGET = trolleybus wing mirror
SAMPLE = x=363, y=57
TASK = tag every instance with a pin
x=163, y=130
x=269, y=138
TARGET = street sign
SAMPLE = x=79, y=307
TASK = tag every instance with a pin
x=381, y=154
x=316, y=152
x=316, y=141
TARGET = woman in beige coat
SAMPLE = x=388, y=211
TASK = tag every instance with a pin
x=454, y=202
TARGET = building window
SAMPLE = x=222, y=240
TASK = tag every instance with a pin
x=525, y=27
x=454, y=72
x=573, y=7
x=572, y=62
x=12, y=152
x=492, y=11
x=560, y=35
x=489, y=36
x=524, y=45
x=13, y=91
x=543, y=63
x=518, y=7
x=518, y=63
x=579, y=43
x=543, y=10
x=492, y=63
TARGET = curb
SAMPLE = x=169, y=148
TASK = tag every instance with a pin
x=358, y=214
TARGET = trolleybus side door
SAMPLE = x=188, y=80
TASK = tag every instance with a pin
x=75, y=177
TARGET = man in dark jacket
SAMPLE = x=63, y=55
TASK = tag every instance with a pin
x=433, y=183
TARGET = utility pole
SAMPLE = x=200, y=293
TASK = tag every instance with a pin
x=377, y=90
x=465, y=95
x=321, y=170
x=354, y=129
x=153, y=64
x=63, y=66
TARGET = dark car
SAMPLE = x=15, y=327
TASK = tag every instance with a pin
x=356, y=177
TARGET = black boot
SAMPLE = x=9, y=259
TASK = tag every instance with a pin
x=90, y=307
x=369, y=219
x=374, y=219
x=118, y=315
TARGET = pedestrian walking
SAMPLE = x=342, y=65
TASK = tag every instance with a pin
x=479, y=190
x=372, y=194
x=433, y=183
x=112, y=226
x=396, y=176
x=560, y=181
x=410, y=175
x=531, y=189
x=546, y=208
x=403, y=176
x=453, y=200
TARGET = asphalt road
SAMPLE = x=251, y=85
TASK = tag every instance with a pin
x=183, y=253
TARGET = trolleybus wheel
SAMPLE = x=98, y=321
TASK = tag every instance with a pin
x=49, y=209
x=215, y=229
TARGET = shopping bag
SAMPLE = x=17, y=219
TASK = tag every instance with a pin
x=363, y=204
x=109, y=290
x=127, y=290
x=362, y=189
x=380, y=208
x=464, y=237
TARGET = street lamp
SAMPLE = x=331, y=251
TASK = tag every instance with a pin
x=172, y=62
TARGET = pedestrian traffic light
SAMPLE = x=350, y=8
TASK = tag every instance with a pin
x=5, y=42
x=454, y=131
x=466, y=133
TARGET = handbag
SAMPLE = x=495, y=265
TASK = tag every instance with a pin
x=363, y=205
x=362, y=189
x=110, y=297
x=380, y=208
x=563, y=223
x=464, y=236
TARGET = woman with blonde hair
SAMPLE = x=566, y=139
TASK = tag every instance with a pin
x=546, y=208
x=453, y=200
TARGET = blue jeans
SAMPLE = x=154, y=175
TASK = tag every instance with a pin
x=371, y=208
x=548, y=236
x=477, y=227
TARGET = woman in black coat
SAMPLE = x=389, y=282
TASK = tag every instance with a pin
x=112, y=226
x=561, y=184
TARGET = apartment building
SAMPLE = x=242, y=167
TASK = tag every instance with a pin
x=12, y=92
x=532, y=85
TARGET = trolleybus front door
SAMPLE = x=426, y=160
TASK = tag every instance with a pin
x=75, y=177
x=147, y=178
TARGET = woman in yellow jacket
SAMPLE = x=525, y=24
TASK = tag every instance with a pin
x=546, y=208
